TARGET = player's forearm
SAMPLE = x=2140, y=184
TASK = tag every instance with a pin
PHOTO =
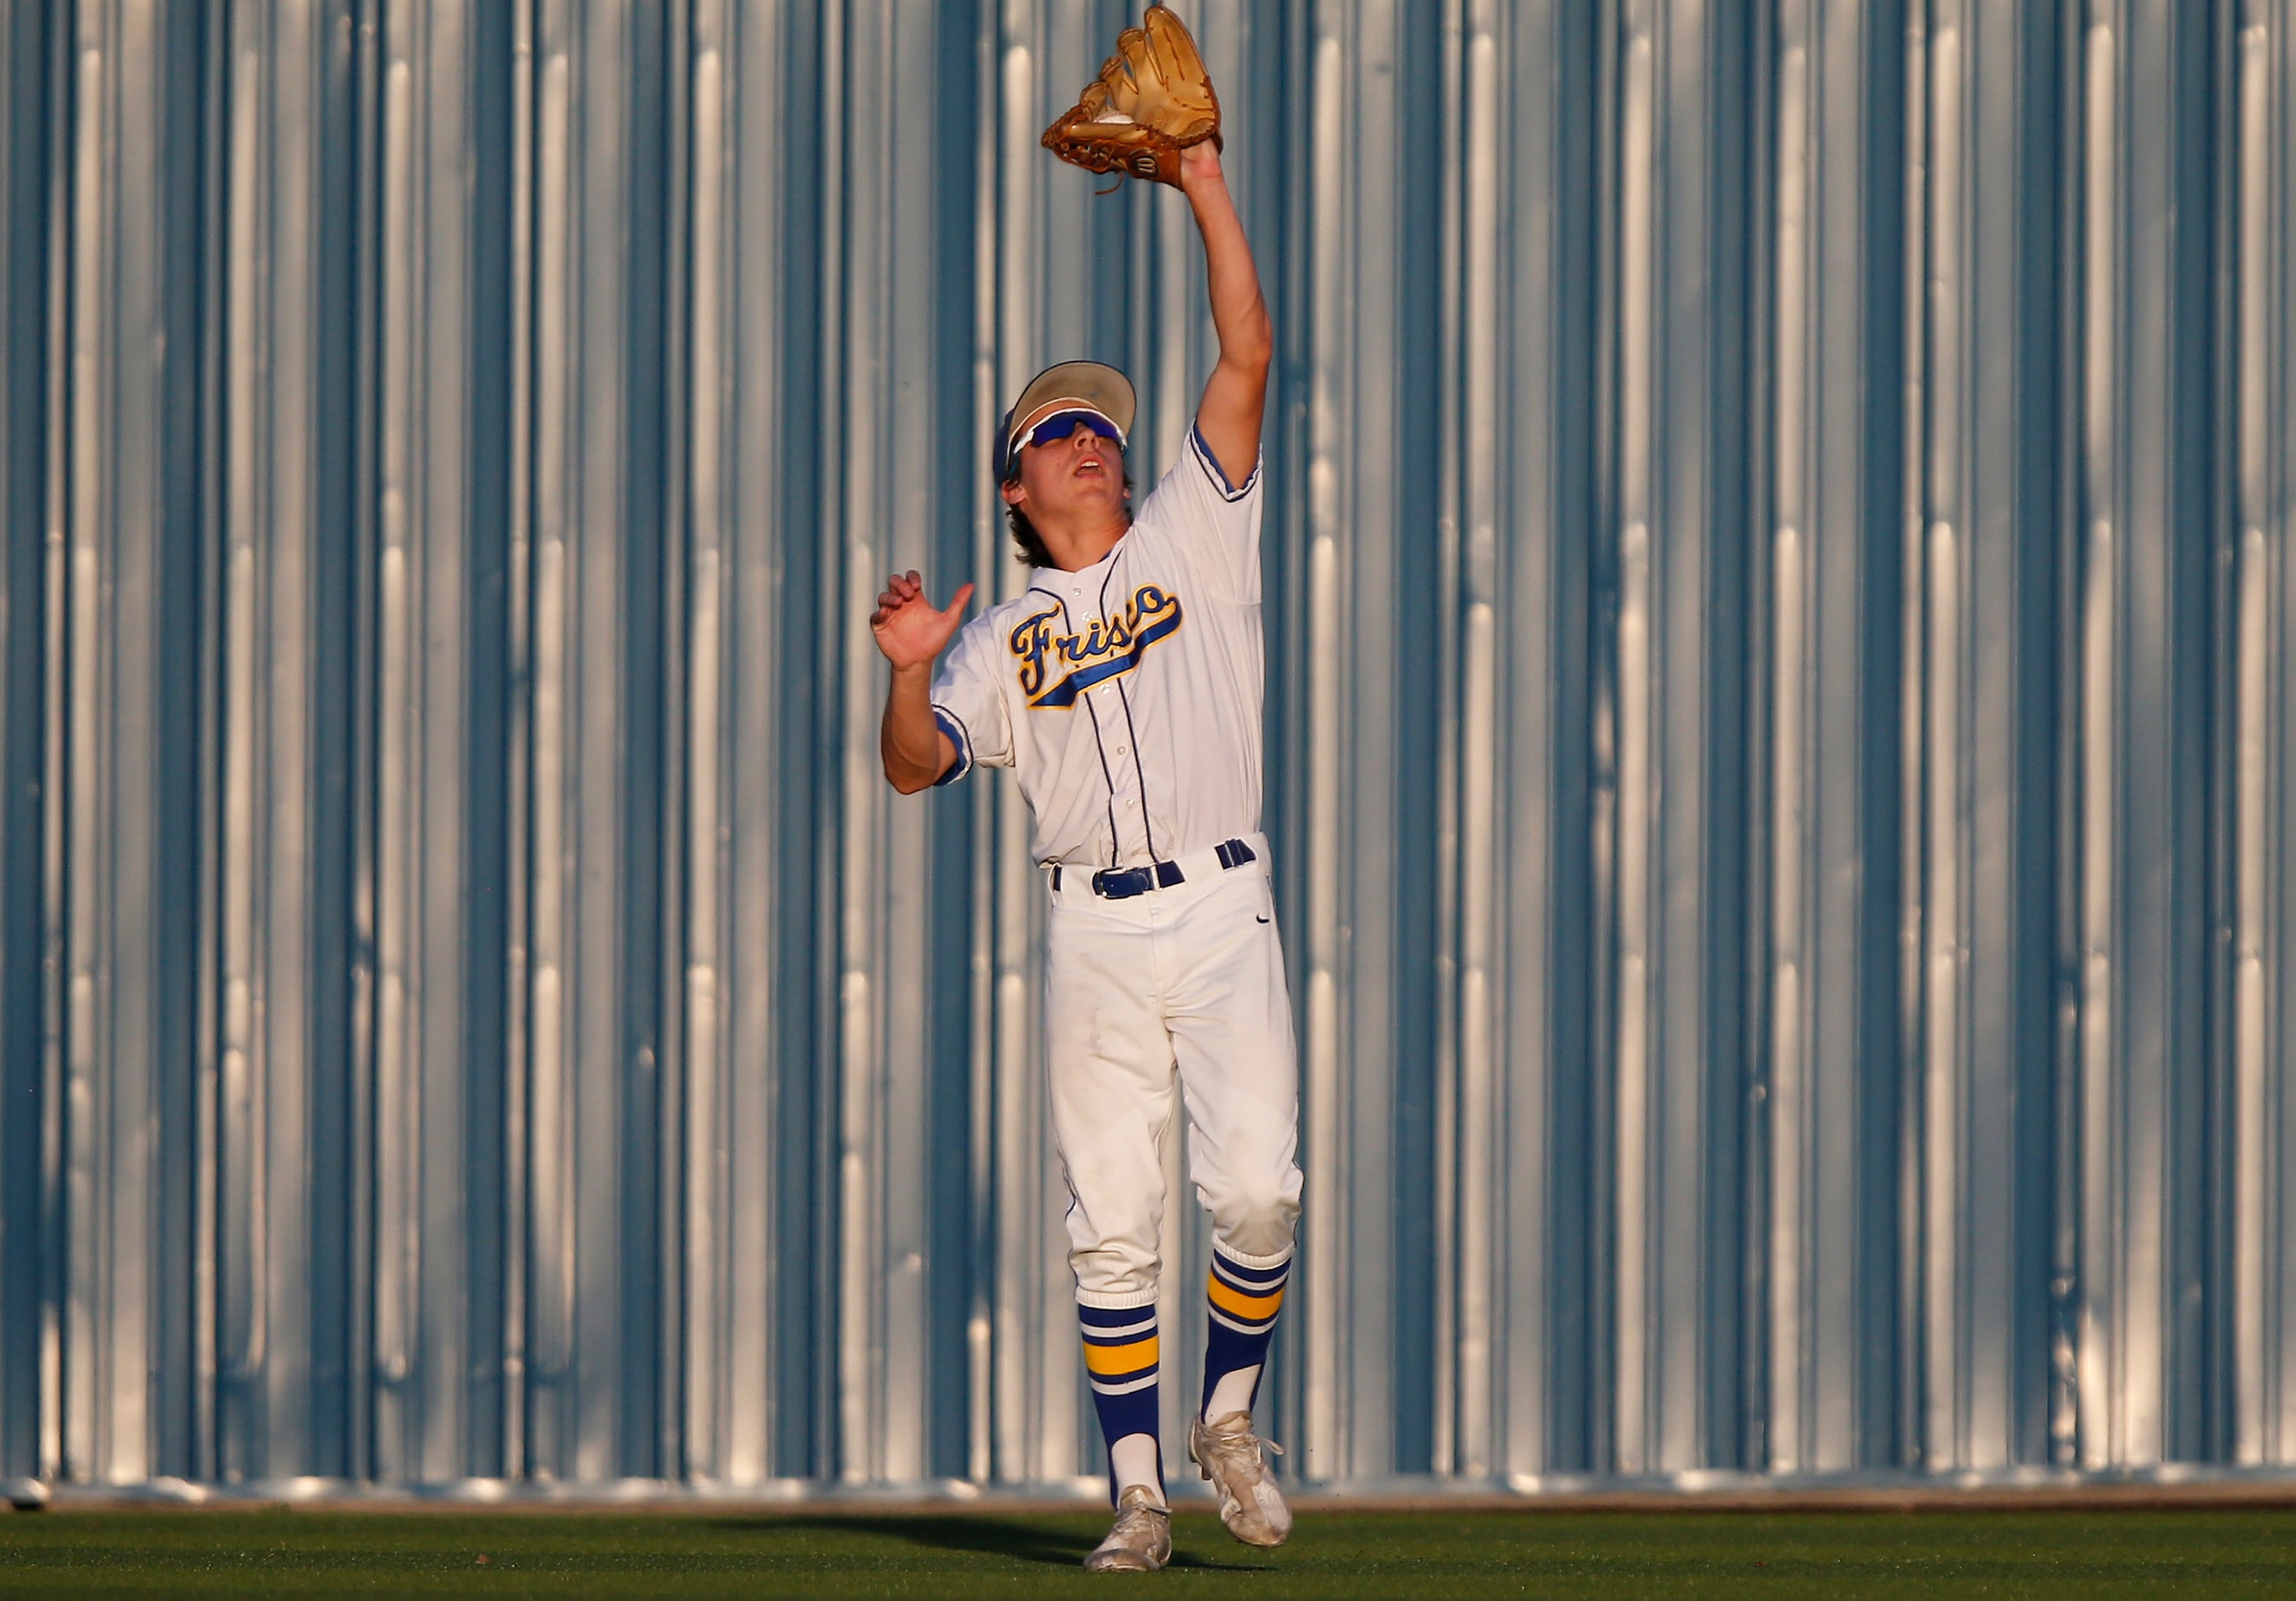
x=1247, y=338
x=916, y=752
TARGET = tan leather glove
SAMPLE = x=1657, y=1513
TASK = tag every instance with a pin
x=1151, y=101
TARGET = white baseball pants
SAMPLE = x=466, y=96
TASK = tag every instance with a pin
x=1187, y=982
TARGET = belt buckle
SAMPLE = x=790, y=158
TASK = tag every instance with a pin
x=1114, y=884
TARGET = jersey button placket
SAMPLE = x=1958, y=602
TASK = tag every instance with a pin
x=1123, y=776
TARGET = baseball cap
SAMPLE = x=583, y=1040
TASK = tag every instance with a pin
x=1070, y=386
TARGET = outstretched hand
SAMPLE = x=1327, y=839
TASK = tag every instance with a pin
x=909, y=629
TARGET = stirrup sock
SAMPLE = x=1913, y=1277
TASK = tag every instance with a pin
x=1241, y=1303
x=1119, y=1357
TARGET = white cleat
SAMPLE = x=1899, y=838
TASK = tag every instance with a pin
x=1142, y=1541
x=1228, y=1452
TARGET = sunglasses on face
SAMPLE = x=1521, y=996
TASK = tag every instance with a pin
x=1062, y=425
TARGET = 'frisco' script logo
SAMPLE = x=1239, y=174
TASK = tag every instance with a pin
x=1056, y=667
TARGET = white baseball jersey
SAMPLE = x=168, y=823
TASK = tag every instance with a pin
x=1128, y=696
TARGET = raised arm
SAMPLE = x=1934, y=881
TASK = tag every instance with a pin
x=1235, y=396
x=911, y=631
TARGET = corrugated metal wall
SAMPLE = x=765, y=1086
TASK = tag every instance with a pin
x=1783, y=731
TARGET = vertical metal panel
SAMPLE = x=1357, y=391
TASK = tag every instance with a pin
x=2146, y=479
x=128, y=662
x=734, y=807
x=1680, y=573
x=441, y=683
x=26, y=121
x=1778, y=732
x=1525, y=371
x=1354, y=1038
x=2263, y=129
x=1832, y=780
x=1031, y=303
x=602, y=138
x=284, y=1355
x=891, y=384
x=1988, y=359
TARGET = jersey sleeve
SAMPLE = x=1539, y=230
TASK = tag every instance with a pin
x=968, y=702
x=1215, y=518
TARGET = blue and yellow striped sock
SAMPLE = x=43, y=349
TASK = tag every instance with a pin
x=1243, y=1302
x=1120, y=1355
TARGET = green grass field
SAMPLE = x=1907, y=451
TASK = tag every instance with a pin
x=2087, y=1554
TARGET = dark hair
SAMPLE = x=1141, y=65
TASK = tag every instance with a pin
x=1032, y=552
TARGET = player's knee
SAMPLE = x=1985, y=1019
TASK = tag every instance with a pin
x=1113, y=1271
x=1257, y=1219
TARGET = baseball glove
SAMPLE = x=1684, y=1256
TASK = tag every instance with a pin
x=1151, y=101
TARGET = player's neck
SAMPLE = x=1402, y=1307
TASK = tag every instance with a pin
x=1076, y=546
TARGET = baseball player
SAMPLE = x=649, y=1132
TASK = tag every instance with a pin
x=1124, y=689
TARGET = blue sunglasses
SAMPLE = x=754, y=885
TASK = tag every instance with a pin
x=1063, y=424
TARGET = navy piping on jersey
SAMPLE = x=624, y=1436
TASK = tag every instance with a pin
x=1115, y=841
x=1130, y=727
x=1108, y=577
x=1133, y=729
x=1228, y=491
x=959, y=736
